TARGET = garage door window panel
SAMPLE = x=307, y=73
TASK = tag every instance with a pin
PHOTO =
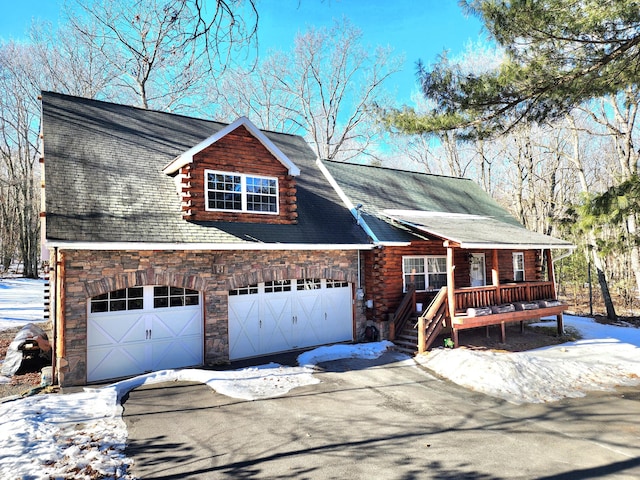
x=118, y=300
x=309, y=284
x=277, y=286
x=167, y=297
x=336, y=284
x=248, y=290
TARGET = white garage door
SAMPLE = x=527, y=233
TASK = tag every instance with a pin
x=142, y=329
x=287, y=315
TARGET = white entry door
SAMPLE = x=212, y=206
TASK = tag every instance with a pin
x=141, y=329
x=287, y=315
x=478, y=271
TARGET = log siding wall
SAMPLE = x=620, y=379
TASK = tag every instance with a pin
x=237, y=152
x=383, y=272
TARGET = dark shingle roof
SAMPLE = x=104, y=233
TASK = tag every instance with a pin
x=380, y=190
x=104, y=180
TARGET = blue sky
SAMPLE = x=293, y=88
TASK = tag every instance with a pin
x=419, y=29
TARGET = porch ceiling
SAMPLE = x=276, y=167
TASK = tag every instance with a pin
x=475, y=231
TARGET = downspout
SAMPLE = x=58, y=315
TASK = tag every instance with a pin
x=359, y=280
x=53, y=310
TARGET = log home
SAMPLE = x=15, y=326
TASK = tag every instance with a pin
x=176, y=241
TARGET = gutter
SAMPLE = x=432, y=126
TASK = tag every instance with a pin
x=106, y=246
x=518, y=246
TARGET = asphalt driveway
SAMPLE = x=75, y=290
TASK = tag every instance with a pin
x=379, y=419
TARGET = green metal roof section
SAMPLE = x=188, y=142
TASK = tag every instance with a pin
x=465, y=212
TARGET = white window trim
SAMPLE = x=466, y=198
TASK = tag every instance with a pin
x=514, y=263
x=426, y=271
x=243, y=192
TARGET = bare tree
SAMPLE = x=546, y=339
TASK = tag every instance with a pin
x=335, y=80
x=325, y=89
x=257, y=93
x=163, y=50
x=18, y=157
x=68, y=64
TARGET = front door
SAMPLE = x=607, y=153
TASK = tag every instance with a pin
x=478, y=271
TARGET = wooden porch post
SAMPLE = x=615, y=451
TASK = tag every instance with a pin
x=451, y=282
x=550, y=275
x=495, y=275
x=451, y=286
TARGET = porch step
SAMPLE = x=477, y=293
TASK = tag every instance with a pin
x=407, y=340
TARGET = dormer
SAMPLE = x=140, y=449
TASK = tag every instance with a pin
x=236, y=175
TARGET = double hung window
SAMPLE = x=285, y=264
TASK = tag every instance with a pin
x=238, y=192
x=518, y=266
x=425, y=272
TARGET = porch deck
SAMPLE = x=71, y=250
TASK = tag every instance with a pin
x=498, y=305
x=484, y=306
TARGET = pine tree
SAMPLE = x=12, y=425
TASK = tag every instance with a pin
x=557, y=55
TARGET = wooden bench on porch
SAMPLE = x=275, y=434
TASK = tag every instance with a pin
x=462, y=321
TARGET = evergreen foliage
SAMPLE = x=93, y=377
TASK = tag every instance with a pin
x=558, y=54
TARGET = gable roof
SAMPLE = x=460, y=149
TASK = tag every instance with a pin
x=105, y=185
x=400, y=205
x=187, y=157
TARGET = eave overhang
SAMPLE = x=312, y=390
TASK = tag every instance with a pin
x=187, y=157
x=245, y=246
x=475, y=232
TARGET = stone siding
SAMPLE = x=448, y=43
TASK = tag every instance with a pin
x=85, y=274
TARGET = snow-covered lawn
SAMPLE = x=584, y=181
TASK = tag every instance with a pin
x=77, y=434
x=607, y=356
x=21, y=302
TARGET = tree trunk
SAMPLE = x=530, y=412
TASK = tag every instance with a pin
x=634, y=250
x=604, y=284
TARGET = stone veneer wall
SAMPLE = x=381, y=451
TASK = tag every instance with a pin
x=86, y=273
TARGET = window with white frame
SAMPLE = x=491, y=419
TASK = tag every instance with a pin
x=518, y=266
x=425, y=272
x=238, y=192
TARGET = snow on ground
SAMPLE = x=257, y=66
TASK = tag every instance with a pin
x=75, y=435
x=607, y=356
x=21, y=302
x=79, y=434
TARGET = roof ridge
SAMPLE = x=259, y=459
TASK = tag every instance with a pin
x=78, y=99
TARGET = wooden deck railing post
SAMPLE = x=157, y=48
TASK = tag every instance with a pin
x=451, y=284
x=413, y=300
x=495, y=275
x=421, y=335
x=550, y=274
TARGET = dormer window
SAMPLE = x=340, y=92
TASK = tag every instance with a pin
x=237, y=192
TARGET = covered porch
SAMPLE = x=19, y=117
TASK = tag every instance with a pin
x=500, y=303
x=492, y=298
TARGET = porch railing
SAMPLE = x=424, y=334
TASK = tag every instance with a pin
x=475, y=297
x=405, y=310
